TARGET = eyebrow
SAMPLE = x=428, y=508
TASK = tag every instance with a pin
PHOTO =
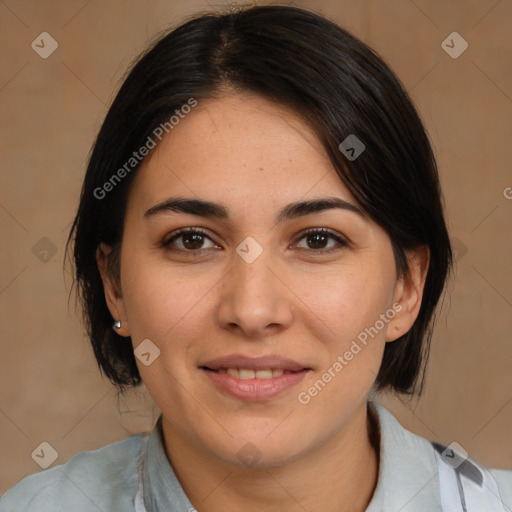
x=210, y=209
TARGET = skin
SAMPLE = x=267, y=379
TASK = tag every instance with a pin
x=255, y=157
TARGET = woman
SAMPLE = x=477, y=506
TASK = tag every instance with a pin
x=260, y=240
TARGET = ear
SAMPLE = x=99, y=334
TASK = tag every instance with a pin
x=113, y=294
x=409, y=293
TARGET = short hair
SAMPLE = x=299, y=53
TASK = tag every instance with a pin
x=339, y=86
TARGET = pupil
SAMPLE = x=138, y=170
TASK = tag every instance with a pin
x=197, y=240
x=319, y=237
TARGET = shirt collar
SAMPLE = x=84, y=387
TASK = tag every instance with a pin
x=161, y=488
x=408, y=475
x=407, y=481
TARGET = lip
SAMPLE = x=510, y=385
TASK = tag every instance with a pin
x=254, y=390
x=254, y=363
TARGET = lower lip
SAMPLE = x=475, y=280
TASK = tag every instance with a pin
x=255, y=389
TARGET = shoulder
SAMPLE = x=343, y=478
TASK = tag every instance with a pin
x=503, y=478
x=426, y=475
x=481, y=484
x=103, y=479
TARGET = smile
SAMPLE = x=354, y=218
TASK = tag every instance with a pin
x=247, y=373
x=253, y=385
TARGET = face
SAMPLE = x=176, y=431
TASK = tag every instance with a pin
x=270, y=321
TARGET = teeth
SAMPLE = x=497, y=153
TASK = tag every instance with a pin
x=244, y=373
x=263, y=374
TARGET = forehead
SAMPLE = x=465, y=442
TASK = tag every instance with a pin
x=239, y=148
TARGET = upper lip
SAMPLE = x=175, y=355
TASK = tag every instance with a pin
x=254, y=363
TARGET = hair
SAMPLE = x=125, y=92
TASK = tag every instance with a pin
x=339, y=86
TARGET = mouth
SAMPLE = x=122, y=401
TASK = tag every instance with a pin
x=254, y=379
x=248, y=373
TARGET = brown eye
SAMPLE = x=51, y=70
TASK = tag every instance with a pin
x=190, y=240
x=318, y=240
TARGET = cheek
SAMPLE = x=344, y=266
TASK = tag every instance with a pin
x=157, y=306
x=163, y=303
x=353, y=338
x=350, y=349
x=349, y=300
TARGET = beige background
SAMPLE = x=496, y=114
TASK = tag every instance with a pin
x=50, y=111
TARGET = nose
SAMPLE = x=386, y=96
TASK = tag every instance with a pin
x=255, y=301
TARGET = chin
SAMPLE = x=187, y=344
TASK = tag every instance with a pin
x=260, y=451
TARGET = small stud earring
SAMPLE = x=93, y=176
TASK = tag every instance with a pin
x=117, y=325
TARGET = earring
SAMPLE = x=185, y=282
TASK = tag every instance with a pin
x=117, y=325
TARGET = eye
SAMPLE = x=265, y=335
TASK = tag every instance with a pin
x=317, y=240
x=191, y=240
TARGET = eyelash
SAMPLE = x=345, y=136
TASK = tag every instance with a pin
x=166, y=243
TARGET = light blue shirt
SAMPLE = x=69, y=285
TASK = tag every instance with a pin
x=134, y=475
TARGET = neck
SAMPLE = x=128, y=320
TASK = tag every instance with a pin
x=341, y=475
